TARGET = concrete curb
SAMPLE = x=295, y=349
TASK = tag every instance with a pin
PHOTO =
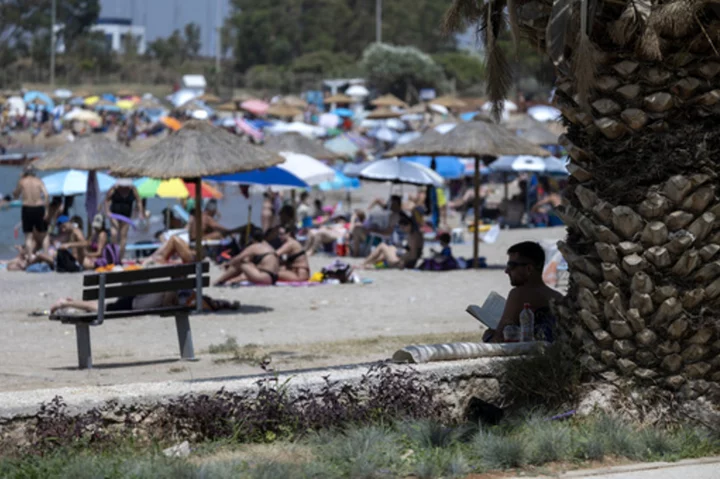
x=19, y=404
x=648, y=466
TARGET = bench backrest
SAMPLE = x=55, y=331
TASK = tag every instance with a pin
x=164, y=279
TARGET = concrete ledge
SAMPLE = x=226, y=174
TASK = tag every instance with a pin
x=456, y=380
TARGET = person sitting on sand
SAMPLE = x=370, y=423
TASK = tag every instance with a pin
x=257, y=263
x=211, y=229
x=524, y=268
x=294, y=262
x=401, y=257
x=326, y=234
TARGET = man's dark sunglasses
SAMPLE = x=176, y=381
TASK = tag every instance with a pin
x=514, y=264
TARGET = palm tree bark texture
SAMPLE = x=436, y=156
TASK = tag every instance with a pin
x=638, y=83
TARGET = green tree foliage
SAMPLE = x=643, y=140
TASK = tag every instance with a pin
x=401, y=70
x=467, y=70
x=178, y=47
x=281, y=31
x=192, y=39
x=22, y=20
x=323, y=62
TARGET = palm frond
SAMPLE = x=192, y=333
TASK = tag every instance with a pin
x=512, y=8
x=584, y=57
x=555, y=34
x=499, y=73
x=634, y=17
x=461, y=14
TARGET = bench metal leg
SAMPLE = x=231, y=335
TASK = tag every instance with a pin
x=82, y=332
x=182, y=322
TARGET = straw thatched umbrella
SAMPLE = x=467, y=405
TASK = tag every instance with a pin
x=197, y=149
x=209, y=98
x=228, y=106
x=90, y=153
x=482, y=140
x=283, y=111
x=339, y=98
x=383, y=114
x=295, y=101
x=532, y=130
x=388, y=101
x=448, y=102
x=296, y=143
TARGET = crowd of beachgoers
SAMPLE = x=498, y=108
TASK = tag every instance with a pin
x=390, y=232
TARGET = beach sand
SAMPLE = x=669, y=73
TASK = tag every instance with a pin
x=298, y=328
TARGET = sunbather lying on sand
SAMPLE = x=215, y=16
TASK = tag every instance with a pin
x=257, y=263
x=146, y=301
x=295, y=266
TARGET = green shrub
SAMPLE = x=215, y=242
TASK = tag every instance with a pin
x=440, y=463
x=322, y=62
x=265, y=77
x=498, y=451
x=548, y=441
x=550, y=377
x=361, y=452
x=431, y=434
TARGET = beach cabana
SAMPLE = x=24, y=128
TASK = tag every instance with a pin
x=198, y=149
x=482, y=140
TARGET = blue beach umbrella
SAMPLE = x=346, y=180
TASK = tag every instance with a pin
x=38, y=95
x=74, y=182
x=449, y=167
x=343, y=112
x=340, y=182
x=272, y=176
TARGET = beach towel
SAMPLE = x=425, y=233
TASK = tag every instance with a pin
x=292, y=284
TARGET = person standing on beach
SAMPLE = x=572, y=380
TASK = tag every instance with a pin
x=121, y=202
x=34, y=213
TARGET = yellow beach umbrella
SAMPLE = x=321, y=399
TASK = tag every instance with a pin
x=125, y=104
x=91, y=100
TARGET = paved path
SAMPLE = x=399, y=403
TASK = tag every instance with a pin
x=705, y=468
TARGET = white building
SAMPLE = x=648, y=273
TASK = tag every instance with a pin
x=116, y=31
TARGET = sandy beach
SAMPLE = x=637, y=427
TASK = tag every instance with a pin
x=297, y=327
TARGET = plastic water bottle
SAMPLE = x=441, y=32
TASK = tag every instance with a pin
x=527, y=324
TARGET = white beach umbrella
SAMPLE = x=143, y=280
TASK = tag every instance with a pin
x=62, y=93
x=544, y=113
x=74, y=182
x=401, y=172
x=385, y=134
x=311, y=171
x=357, y=91
x=445, y=127
x=329, y=120
x=528, y=164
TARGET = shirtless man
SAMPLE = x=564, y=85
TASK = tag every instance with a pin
x=525, y=267
x=34, y=213
x=359, y=232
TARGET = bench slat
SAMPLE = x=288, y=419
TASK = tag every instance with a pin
x=137, y=289
x=143, y=274
x=90, y=317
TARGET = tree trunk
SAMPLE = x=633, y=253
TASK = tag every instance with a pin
x=645, y=213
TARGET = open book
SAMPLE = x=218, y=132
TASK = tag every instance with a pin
x=491, y=311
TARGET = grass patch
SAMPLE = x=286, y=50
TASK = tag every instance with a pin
x=420, y=448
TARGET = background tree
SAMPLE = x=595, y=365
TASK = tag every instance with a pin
x=465, y=69
x=278, y=32
x=192, y=39
x=401, y=70
x=638, y=83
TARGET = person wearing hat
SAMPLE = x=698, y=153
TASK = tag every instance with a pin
x=121, y=202
x=35, y=202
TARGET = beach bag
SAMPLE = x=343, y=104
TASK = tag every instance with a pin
x=65, y=262
x=110, y=255
x=338, y=270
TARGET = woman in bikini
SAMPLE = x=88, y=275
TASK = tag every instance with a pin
x=123, y=200
x=295, y=266
x=258, y=263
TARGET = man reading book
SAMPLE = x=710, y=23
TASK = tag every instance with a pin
x=525, y=267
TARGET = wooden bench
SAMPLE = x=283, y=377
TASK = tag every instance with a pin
x=103, y=286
